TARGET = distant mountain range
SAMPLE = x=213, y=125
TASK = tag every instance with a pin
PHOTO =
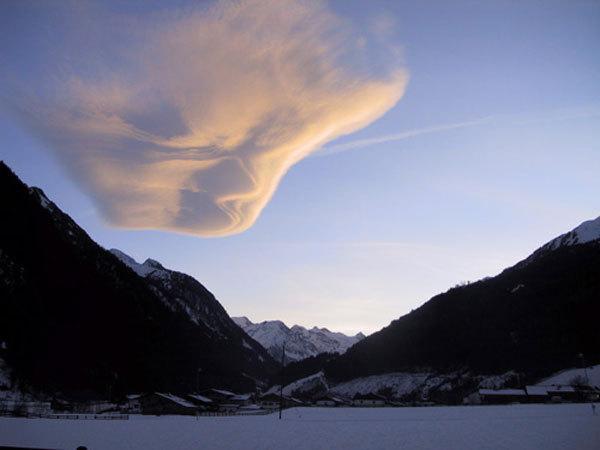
x=77, y=318
x=300, y=342
x=533, y=319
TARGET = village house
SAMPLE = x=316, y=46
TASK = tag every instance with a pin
x=589, y=394
x=293, y=401
x=537, y=394
x=228, y=407
x=202, y=402
x=132, y=404
x=60, y=405
x=159, y=403
x=272, y=401
x=218, y=395
x=560, y=393
x=368, y=400
x=226, y=401
x=241, y=399
x=330, y=401
x=251, y=408
x=502, y=396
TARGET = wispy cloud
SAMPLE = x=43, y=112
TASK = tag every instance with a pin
x=190, y=122
x=361, y=143
x=554, y=115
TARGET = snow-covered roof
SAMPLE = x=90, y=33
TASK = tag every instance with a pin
x=241, y=397
x=176, y=399
x=201, y=398
x=133, y=396
x=224, y=392
x=536, y=390
x=250, y=407
x=329, y=397
x=502, y=392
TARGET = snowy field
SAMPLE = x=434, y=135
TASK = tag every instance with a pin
x=590, y=374
x=546, y=427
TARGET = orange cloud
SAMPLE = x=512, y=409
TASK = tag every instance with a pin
x=195, y=134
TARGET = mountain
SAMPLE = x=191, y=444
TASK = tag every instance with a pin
x=300, y=343
x=184, y=293
x=74, y=318
x=534, y=318
x=588, y=231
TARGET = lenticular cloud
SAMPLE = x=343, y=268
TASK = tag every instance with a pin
x=192, y=124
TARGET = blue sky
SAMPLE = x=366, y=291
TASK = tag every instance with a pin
x=500, y=118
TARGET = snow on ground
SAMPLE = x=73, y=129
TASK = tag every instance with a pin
x=309, y=383
x=400, y=383
x=403, y=383
x=566, y=376
x=513, y=427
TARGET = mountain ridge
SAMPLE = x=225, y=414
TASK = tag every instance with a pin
x=75, y=318
x=301, y=342
x=588, y=231
x=533, y=318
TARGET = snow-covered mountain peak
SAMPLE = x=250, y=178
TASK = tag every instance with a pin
x=299, y=341
x=274, y=323
x=153, y=264
x=588, y=231
x=242, y=321
x=150, y=267
x=41, y=196
x=125, y=258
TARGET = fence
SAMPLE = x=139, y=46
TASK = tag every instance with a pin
x=258, y=412
x=82, y=416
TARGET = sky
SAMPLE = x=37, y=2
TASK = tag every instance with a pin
x=323, y=163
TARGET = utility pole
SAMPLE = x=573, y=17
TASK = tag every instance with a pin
x=587, y=379
x=281, y=384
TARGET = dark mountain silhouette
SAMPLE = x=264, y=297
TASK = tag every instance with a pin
x=534, y=318
x=75, y=318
